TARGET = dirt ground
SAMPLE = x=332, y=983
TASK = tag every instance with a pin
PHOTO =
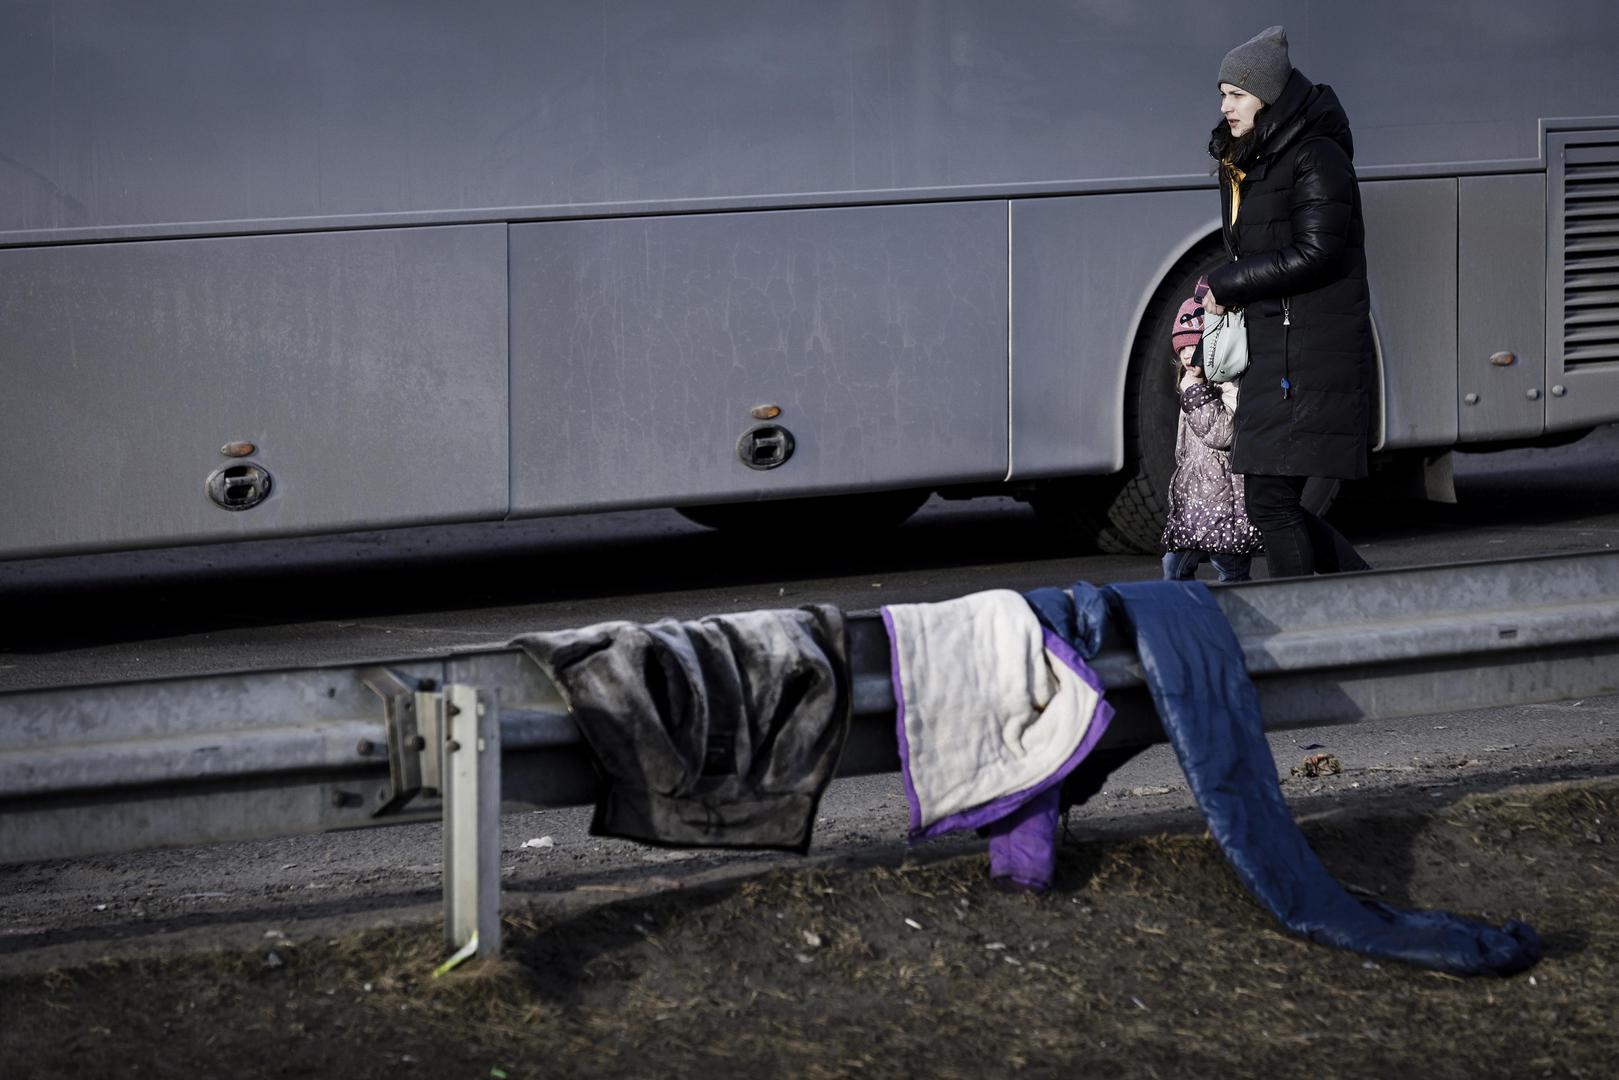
x=1147, y=959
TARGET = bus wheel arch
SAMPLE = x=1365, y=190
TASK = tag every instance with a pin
x=1124, y=513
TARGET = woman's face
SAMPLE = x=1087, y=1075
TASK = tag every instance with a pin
x=1238, y=107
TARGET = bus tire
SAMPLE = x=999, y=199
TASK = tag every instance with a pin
x=1123, y=514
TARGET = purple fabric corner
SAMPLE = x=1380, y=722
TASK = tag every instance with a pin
x=1023, y=845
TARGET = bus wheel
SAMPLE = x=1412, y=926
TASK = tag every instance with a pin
x=1123, y=514
x=870, y=510
x=1319, y=493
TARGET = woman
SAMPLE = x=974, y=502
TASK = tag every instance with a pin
x=1291, y=216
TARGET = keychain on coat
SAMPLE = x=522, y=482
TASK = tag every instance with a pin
x=1287, y=320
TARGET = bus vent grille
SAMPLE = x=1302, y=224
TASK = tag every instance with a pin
x=1590, y=191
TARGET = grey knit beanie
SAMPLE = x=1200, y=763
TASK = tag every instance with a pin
x=1259, y=65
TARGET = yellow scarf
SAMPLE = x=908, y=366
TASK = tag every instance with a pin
x=1234, y=176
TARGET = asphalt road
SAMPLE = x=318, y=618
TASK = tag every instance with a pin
x=413, y=592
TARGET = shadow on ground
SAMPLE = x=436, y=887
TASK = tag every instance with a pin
x=1145, y=960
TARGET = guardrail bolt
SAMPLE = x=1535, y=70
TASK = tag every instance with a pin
x=427, y=686
x=452, y=710
x=364, y=747
x=452, y=746
x=418, y=742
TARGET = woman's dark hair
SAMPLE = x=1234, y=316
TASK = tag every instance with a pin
x=1239, y=151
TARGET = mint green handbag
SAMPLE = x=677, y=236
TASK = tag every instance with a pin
x=1225, y=347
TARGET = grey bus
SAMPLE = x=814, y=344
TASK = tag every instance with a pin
x=272, y=269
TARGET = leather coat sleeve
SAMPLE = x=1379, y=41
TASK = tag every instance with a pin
x=1321, y=210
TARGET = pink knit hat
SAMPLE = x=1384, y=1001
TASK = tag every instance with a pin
x=1188, y=326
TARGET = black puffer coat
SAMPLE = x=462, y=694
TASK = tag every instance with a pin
x=1299, y=272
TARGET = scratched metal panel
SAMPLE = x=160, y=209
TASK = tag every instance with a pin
x=157, y=113
x=1411, y=268
x=1083, y=270
x=368, y=368
x=1501, y=306
x=639, y=347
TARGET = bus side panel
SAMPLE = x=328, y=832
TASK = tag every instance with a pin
x=205, y=116
x=1411, y=268
x=641, y=347
x=1501, y=306
x=367, y=370
x=1083, y=271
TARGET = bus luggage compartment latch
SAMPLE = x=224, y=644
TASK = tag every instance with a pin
x=765, y=446
x=239, y=487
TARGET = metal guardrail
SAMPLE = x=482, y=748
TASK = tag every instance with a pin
x=135, y=765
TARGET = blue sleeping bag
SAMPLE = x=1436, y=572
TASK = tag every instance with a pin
x=1195, y=671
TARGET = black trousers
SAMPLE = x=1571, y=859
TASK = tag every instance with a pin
x=1297, y=543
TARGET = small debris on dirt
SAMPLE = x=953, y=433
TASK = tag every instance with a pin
x=1145, y=791
x=581, y=990
x=1318, y=765
x=272, y=960
x=540, y=842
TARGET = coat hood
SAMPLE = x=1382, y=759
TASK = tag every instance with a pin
x=1305, y=110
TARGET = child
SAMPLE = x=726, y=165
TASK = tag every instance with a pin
x=1206, y=515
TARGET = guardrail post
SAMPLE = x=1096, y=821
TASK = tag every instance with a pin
x=472, y=819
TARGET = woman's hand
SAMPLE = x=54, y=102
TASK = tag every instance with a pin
x=1211, y=306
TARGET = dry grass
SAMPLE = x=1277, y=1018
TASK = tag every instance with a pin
x=1146, y=960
